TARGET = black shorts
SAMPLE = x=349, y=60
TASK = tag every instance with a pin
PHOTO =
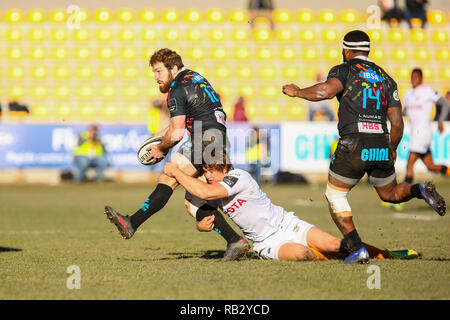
x=357, y=154
x=199, y=147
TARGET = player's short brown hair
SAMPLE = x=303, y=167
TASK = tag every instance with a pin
x=168, y=57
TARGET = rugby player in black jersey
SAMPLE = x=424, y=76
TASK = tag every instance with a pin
x=367, y=96
x=193, y=105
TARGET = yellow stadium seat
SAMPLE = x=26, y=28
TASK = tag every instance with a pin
x=402, y=73
x=13, y=15
x=444, y=73
x=443, y=54
x=85, y=91
x=126, y=34
x=239, y=15
x=396, y=35
x=247, y=91
x=305, y=16
x=195, y=34
x=16, y=92
x=217, y=34
x=61, y=72
x=192, y=15
x=265, y=53
x=87, y=111
x=310, y=54
x=15, y=53
x=215, y=15
x=421, y=54
x=37, y=53
x=170, y=15
x=267, y=72
x=251, y=110
x=147, y=15
x=282, y=15
x=84, y=72
x=287, y=53
x=240, y=34
x=108, y=91
x=82, y=53
x=350, y=16
x=62, y=91
x=418, y=35
x=330, y=35
x=148, y=52
x=245, y=72
x=125, y=15
x=81, y=34
x=428, y=73
x=375, y=35
x=285, y=34
x=291, y=72
x=40, y=110
x=103, y=15
x=241, y=53
x=270, y=91
x=39, y=72
x=107, y=72
x=131, y=91
x=36, y=15
x=333, y=54
x=134, y=111
x=224, y=91
x=105, y=53
x=104, y=34
x=81, y=15
x=377, y=54
x=130, y=72
x=16, y=72
x=36, y=34
x=58, y=15
x=327, y=16
x=39, y=92
x=222, y=72
x=110, y=111
x=440, y=36
x=196, y=53
x=149, y=34
x=64, y=110
x=307, y=35
x=296, y=112
x=219, y=53
x=59, y=35
x=171, y=34
x=262, y=34
x=399, y=54
x=128, y=53
x=272, y=111
x=14, y=34
x=310, y=72
x=436, y=17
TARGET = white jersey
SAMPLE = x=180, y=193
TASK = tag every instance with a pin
x=418, y=103
x=249, y=207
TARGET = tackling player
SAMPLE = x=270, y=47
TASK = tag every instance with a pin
x=193, y=105
x=367, y=97
x=276, y=233
x=418, y=102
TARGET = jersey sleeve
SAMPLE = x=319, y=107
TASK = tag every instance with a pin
x=394, y=97
x=177, y=102
x=434, y=95
x=234, y=183
x=339, y=72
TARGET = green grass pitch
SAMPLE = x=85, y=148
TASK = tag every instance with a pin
x=46, y=229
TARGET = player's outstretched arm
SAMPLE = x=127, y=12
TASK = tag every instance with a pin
x=318, y=92
x=195, y=186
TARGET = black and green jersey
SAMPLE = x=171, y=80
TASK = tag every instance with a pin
x=190, y=94
x=368, y=92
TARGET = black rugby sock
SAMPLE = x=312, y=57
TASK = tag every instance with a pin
x=155, y=202
x=409, y=180
x=351, y=242
x=444, y=170
x=220, y=224
x=415, y=191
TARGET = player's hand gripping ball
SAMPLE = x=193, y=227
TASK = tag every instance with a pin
x=143, y=154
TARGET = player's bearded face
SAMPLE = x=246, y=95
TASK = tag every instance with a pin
x=163, y=76
x=164, y=84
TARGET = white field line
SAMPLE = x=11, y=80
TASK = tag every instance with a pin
x=309, y=203
x=415, y=216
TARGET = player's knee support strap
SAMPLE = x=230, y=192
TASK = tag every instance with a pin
x=338, y=201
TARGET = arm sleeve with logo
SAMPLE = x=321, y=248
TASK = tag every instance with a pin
x=339, y=72
x=394, y=97
x=177, y=102
x=234, y=184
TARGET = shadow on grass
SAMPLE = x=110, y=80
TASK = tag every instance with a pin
x=209, y=254
x=6, y=249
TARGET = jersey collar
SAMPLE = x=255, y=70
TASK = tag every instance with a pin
x=363, y=58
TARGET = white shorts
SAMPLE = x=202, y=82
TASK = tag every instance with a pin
x=291, y=230
x=420, y=141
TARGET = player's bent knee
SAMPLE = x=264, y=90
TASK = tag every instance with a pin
x=337, y=201
x=165, y=179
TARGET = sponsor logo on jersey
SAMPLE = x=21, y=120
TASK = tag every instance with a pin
x=395, y=95
x=172, y=105
x=230, y=181
x=370, y=127
x=197, y=78
x=370, y=76
x=375, y=154
x=236, y=205
x=220, y=117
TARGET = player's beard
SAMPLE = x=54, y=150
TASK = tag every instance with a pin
x=166, y=85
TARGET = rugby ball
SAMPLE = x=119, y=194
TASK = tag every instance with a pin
x=143, y=154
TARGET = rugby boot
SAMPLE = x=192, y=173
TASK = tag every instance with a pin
x=236, y=250
x=402, y=254
x=432, y=197
x=358, y=256
x=122, y=223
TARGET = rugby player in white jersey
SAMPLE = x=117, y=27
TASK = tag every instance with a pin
x=418, y=102
x=275, y=233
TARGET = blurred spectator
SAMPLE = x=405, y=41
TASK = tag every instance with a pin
x=392, y=14
x=447, y=96
x=239, y=114
x=416, y=9
x=158, y=116
x=90, y=153
x=320, y=110
x=257, y=153
x=260, y=8
x=16, y=106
